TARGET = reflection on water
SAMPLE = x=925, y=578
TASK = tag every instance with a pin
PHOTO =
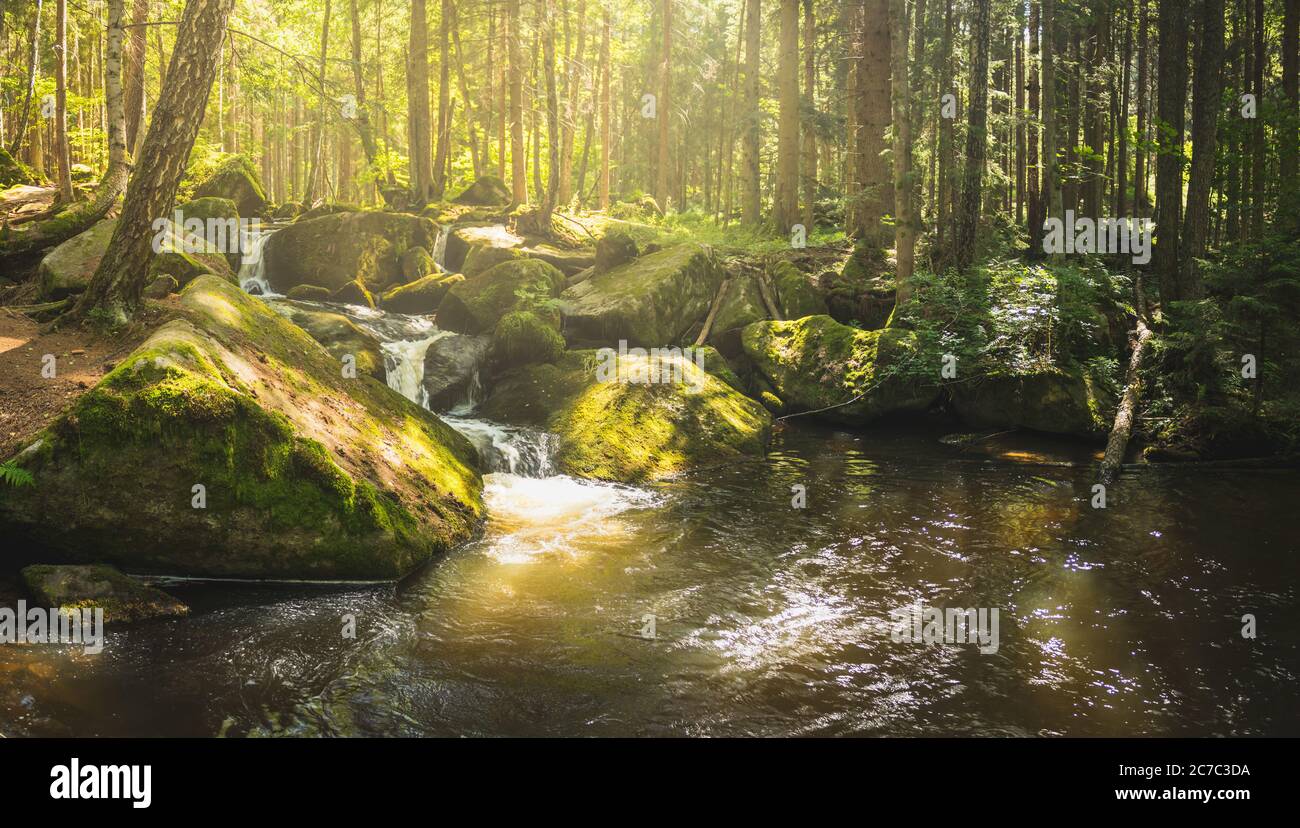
x=767, y=619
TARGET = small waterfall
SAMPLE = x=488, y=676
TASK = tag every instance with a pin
x=473, y=396
x=440, y=247
x=518, y=451
x=252, y=267
x=404, y=366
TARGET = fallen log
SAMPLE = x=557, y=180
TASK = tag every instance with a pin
x=1125, y=414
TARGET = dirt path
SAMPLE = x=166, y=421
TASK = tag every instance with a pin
x=29, y=399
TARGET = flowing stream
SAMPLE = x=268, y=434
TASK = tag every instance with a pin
x=709, y=605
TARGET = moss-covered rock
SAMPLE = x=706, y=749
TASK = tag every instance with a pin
x=236, y=179
x=486, y=191
x=162, y=286
x=416, y=263
x=476, y=305
x=13, y=171
x=1054, y=401
x=332, y=250
x=69, y=267
x=479, y=259
x=309, y=293
x=631, y=432
x=226, y=214
x=568, y=261
x=815, y=363
x=123, y=599
x=656, y=300
x=421, y=296
x=615, y=248
x=796, y=297
x=454, y=365
x=353, y=293
x=743, y=305
x=329, y=208
x=287, y=211
x=341, y=336
x=464, y=238
x=521, y=338
x=305, y=474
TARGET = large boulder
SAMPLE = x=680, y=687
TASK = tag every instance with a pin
x=68, y=268
x=123, y=599
x=421, y=296
x=225, y=215
x=655, y=300
x=462, y=239
x=341, y=336
x=13, y=171
x=795, y=295
x=631, y=431
x=230, y=445
x=332, y=250
x=742, y=305
x=615, y=248
x=1054, y=401
x=486, y=191
x=236, y=179
x=454, y=367
x=846, y=374
x=568, y=261
x=522, y=337
x=475, y=305
x=479, y=259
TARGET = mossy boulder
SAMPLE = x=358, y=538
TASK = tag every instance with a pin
x=743, y=305
x=486, y=191
x=465, y=237
x=353, y=293
x=479, y=259
x=631, y=432
x=856, y=376
x=13, y=171
x=475, y=305
x=454, y=365
x=796, y=297
x=236, y=179
x=69, y=267
x=225, y=215
x=332, y=250
x=655, y=300
x=613, y=249
x=416, y=263
x=287, y=211
x=521, y=338
x=568, y=261
x=304, y=473
x=1055, y=401
x=329, y=208
x=341, y=336
x=309, y=293
x=421, y=296
x=162, y=286
x=123, y=599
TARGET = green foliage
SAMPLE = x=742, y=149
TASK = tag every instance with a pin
x=14, y=476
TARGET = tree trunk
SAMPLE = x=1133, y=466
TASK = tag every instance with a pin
x=663, y=109
x=809, y=174
x=1140, y=150
x=904, y=219
x=874, y=174
x=751, y=204
x=444, y=102
x=116, y=288
x=606, y=133
x=1172, y=87
x=417, y=100
x=62, y=154
x=133, y=74
x=1126, y=412
x=24, y=114
x=1051, y=176
x=317, y=149
x=1257, y=173
x=976, y=138
x=518, y=169
x=946, y=151
x=1289, y=147
x=786, y=201
x=1205, y=124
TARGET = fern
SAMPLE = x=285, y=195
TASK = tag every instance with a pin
x=14, y=476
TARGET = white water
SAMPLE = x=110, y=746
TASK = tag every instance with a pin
x=440, y=247
x=252, y=267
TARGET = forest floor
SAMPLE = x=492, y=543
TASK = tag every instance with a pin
x=30, y=400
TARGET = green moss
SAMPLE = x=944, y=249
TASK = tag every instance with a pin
x=521, y=338
x=421, y=296
x=476, y=305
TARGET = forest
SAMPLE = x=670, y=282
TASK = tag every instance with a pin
x=317, y=289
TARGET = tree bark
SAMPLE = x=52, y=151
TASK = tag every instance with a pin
x=663, y=110
x=24, y=114
x=1205, y=128
x=1172, y=98
x=444, y=102
x=518, y=168
x=606, y=132
x=62, y=153
x=751, y=203
x=809, y=174
x=417, y=99
x=116, y=288
x=786, y=200
x=976, y=139
x=904, y=219
x=133, y=74
x=873, y=169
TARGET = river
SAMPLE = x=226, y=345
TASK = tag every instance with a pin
x=711, y=605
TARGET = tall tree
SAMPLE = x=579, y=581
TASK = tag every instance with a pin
x=663, y=107
x=33, y=62
x=1289, y=125
x=809, y=173
x=444, y=101
x=1052, y=201
x=518, y=160
x=752, y=131
x=976, y=140
x=606, y=128
x=904, y=219
x=317, y=149
x=1206, y=101
x=133, y=74
x=1171, y=82
x=786, y=200
x=115, y=289
x=874, y=175
x=417, y=102
x=62, y=152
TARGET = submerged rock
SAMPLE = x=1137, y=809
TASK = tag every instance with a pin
x=629, y=431
x=353, y=293
x=655, y=300
x=476, y=305
x=815, y=363
x=454, y=365
x=122, y=598
x=236, y=179
x=332, y=250
x=229, y=444
x=309, y=293
x=1053, y=401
